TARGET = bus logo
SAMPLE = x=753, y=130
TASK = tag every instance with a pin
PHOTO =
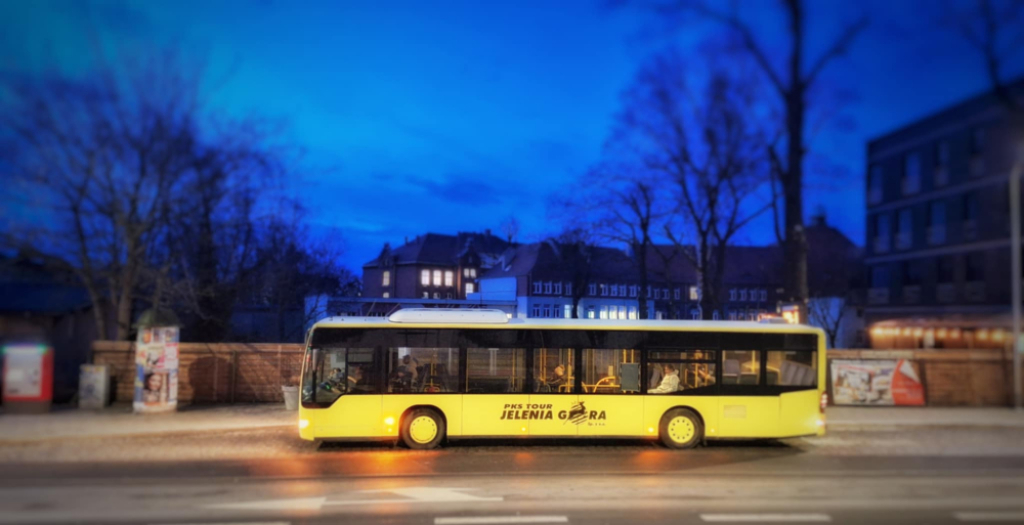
x=577, y=413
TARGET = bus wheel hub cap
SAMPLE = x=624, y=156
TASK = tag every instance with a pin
x=680, y=429
x=423, y=429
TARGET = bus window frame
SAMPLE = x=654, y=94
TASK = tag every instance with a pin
x=575, y=340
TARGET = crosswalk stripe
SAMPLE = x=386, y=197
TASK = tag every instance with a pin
x=990, y=516
x=765, y=518
x=494, y=520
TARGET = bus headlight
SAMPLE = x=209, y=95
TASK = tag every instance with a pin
x=303, y=424
x=389, y=421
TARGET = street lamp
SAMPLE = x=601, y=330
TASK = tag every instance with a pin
x=1015, y=258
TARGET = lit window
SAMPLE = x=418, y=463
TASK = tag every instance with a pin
x=632, y=312
x=622, y=312
x=425, y=277
x=437, y=277
x=472, y=272
x=470, y=288
x=604, y=312
x=590, y=312
x=465, y=272
x=437, y=295
x=386, y=279
x=694, y=293
x=449, y=278
x=386, y=295
x=426, y=295
x=537, y=287
x=568, y=311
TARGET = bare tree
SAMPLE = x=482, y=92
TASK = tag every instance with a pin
x=705, y=144
x=106, y=157
x=792, y=86
x=575, y=248
x=827, y=314
x=510, y=228
x=620, y=203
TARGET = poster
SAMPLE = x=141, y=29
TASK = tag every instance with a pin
x=156, y=363
x=880, y=382
x=23, y=371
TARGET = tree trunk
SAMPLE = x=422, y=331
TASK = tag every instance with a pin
x=642, y=296
x=795, y=247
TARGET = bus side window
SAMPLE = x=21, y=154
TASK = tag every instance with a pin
x=741, y=367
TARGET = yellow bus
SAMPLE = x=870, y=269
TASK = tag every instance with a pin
x=424, y=376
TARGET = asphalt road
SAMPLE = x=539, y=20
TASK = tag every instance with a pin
x=545, y=482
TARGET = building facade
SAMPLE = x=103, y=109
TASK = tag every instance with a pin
x=938, y=230
x=430, y=270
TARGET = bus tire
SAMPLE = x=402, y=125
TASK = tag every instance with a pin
x=681, y=428
x=422, y=429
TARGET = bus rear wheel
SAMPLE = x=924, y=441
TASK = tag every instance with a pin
x=681, y=428
x=422, y=429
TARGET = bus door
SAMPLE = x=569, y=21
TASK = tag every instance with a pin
x=610, y=404
x=744, y=415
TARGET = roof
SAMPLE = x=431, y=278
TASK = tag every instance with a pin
x=436, y=248
x=31, y=287
x=960, y=111
x=578, y=324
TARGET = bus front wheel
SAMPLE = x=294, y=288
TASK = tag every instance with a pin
x=681, y=428
x=422, y=429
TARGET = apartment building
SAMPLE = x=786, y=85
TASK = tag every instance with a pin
x=938, y=230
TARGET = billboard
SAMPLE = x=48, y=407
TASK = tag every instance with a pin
x=156, y=365
x=882, y=382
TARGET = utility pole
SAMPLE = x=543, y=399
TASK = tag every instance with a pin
x=1015, y=280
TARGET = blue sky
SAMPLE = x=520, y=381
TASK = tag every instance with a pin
x=448, y=116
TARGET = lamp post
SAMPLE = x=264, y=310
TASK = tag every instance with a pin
x=1015, y=280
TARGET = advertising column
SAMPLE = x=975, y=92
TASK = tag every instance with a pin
x=156, y=364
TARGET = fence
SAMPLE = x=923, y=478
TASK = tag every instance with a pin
x=976, y=377
x=212, y=373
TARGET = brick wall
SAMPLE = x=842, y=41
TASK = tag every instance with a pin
x=977, y=377
x=254, y=373
x=212, y=373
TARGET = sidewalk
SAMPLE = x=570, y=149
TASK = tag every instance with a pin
x=887, y=418
x=120, y=421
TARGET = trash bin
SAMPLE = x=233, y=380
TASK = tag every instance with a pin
x=93, y=386
x=291, y=397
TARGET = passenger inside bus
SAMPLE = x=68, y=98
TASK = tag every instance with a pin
x=557, y=378
x=403, y=377
x=334, y=382
x=669, y=383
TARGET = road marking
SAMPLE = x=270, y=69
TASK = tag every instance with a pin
x=236, y=523
x=409, y=495
x=766, y=518
x=990, y=516
x=491, y=520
